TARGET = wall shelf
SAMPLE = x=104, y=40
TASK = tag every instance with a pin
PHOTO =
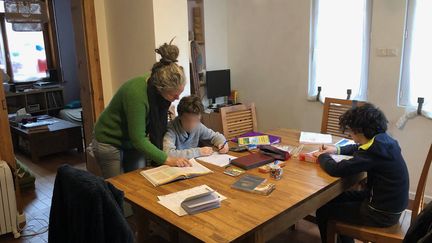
x=37, y=101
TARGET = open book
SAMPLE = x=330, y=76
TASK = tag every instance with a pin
x=166, y=174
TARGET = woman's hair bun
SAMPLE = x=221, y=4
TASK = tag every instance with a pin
x=169, y=53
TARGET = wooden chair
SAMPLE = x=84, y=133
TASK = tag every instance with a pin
x=333, y=109
x=238, y=119
x=395, y=233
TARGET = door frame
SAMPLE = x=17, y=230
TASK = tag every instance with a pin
x=89, y=69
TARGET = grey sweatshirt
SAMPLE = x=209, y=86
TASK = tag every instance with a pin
x=178, y=143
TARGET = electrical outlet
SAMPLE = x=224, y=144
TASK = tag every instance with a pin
x=381, y=52
x=387, y=52
x=392, y=52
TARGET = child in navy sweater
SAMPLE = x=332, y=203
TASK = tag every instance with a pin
x=385, y=197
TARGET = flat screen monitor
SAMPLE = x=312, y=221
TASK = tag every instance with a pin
x=218, y=83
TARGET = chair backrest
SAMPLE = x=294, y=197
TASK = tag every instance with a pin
x=419, y=197
x=238, y=119
x=333, y=109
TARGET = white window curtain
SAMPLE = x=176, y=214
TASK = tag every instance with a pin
x=339, y=51
x=416, y=78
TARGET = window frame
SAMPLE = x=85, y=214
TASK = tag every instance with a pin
x=50, y=41
x=404, y=82
x=312, y=41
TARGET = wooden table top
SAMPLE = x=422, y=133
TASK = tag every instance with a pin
x=242, y=212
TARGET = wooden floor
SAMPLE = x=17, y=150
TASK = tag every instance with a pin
x=37, y=202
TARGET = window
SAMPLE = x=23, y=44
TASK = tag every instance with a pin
x=339, y=48
x=25, y=55
x=416, y=78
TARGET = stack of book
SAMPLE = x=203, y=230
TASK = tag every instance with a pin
x=35, y=127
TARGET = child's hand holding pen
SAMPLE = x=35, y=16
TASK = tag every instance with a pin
x=329, y=149
x=223, y=148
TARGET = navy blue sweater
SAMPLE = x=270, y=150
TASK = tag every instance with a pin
x=387, y=174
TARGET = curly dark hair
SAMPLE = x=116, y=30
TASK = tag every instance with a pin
x=366, y=119
x=190, y=104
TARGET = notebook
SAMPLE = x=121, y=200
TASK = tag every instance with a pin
x=252, y=161
x=315, y=138
x=174, y=200
x=218, y=159
x=273, y=139
x=166, y=174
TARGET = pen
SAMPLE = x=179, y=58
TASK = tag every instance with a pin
x=323, y=147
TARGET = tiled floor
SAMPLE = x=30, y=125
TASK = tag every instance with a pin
x=37, y=202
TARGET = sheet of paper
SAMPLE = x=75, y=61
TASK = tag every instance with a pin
x=173, y=201
x=315, y=138
x=338, y=158
x=218, y=159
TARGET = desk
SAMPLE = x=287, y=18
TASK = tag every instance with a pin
x=62, y=135
x=244, y=216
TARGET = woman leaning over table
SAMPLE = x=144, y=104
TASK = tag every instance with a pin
x=132, y=127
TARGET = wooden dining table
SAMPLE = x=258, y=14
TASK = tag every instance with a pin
x=243, y=216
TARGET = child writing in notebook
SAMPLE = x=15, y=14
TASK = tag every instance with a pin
x=385, y=197
x=185, y=132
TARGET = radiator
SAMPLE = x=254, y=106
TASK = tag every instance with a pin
x=8, y=207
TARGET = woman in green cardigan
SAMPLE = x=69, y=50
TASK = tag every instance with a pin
x=132, y=127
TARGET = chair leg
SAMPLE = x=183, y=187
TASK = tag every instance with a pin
x=331, y=232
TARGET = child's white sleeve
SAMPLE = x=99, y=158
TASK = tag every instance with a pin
x=170, y=148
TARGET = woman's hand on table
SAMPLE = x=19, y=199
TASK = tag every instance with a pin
x=177, y=162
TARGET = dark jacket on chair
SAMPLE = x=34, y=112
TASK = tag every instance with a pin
x=421, y=229
x=85, y=208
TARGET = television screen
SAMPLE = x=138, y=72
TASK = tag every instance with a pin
x=218, y=83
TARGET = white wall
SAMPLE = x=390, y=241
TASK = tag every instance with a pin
x=128, y=33
x=131, y=40
x=216, y=34
x=171, y=20
x=268, y=48
x=268, y=53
